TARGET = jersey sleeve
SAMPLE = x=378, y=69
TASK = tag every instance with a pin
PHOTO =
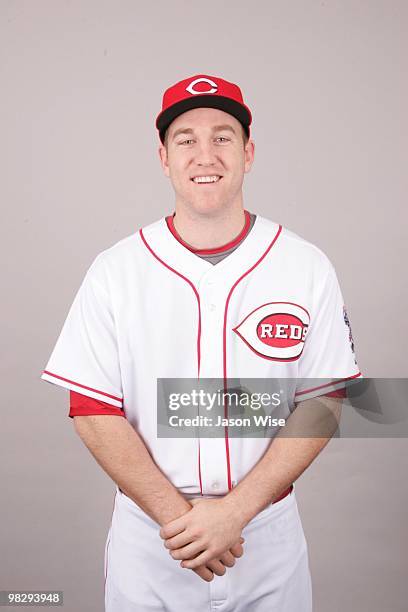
x=85, y=358
x=81, y=405
x=328, y=362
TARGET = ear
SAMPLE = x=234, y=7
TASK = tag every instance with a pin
x=164, y=160
x=249, y=153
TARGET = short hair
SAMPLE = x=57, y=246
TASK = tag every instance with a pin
x=245, y=136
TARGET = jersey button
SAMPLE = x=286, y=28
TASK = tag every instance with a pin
x=212, y=307
x=215, y=485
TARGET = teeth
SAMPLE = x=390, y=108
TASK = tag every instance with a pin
x=206, y=179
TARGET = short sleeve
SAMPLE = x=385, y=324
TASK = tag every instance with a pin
x=328, y=362
x=85, y=358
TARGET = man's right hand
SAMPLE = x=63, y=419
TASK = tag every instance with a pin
x=218, y=566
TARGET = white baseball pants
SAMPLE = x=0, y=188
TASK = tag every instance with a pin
x=271, y=576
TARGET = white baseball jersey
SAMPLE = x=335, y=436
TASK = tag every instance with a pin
x=149, y=308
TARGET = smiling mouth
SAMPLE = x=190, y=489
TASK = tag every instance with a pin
x=206, y=180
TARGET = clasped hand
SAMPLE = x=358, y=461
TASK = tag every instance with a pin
x=206, y=539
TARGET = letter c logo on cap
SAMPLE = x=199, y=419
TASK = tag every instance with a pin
x=191, y=90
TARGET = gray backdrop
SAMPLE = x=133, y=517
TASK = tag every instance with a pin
x=81, y=84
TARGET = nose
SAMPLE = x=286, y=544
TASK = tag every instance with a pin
x=205, y=154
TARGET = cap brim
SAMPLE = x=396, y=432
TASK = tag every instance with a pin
x=239, y=111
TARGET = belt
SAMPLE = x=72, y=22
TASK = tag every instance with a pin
x=284, y=494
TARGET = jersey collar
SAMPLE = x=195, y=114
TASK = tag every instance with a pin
x=177, y=257
x=216, y=250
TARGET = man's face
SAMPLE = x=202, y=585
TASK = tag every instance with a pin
x=206, y=142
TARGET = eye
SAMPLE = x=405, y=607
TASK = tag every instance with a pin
x=223, y=138
x=186, y=141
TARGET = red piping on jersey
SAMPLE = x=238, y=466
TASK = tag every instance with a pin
x=224, y=342
x=199, y=467
x=118, y=399
x=215, y=250
x=330, y=384
x=193, y=288
x=199, y=323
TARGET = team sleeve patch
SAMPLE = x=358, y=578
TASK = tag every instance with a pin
x=350, y=335
x=328, y=361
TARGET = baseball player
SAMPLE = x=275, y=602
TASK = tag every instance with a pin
x=211, y=291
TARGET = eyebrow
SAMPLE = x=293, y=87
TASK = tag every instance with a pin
x=216, y=128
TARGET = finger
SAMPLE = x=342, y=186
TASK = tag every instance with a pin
x=180, y=540
x=188, y=552
x=217, y=567
x=172, y=529
x=227, y=559
x=204, y=572
x=237, y=550
x=201, y=559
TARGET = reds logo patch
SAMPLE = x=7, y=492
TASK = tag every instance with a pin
x=275, y=331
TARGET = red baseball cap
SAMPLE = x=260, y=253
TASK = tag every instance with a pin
x=200, y=91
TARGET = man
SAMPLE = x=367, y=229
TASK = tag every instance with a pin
x=210, y=292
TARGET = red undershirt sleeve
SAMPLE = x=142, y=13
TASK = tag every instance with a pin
x=82, y=405
x=338, y=393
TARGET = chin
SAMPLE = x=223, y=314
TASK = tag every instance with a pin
x=205, y=206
